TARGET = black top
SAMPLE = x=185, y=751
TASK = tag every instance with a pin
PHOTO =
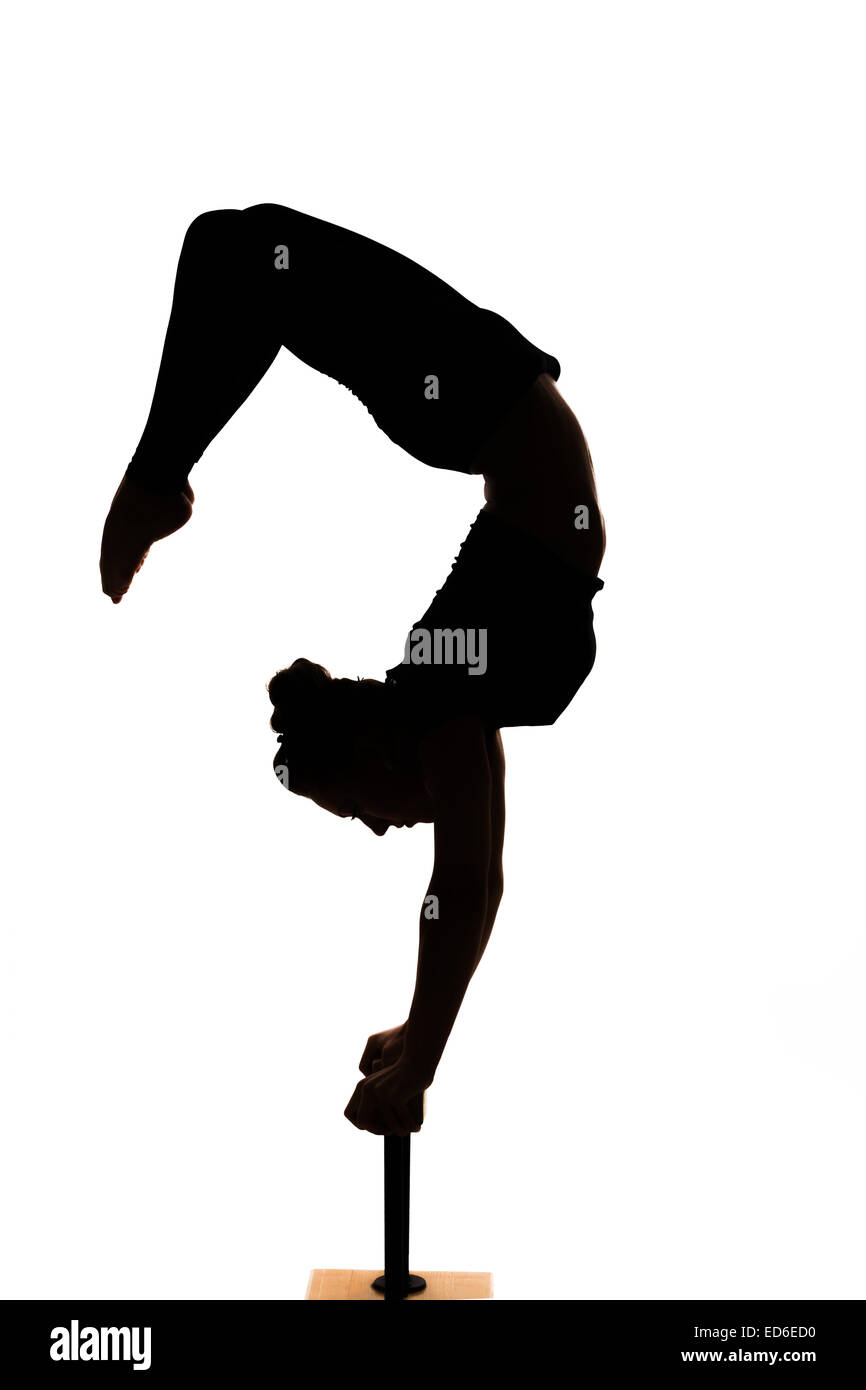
x=508, y=637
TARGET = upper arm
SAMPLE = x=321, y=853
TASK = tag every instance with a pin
x=496, y=763
x=456, y=768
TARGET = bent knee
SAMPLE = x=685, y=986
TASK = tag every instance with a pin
x=214, y=227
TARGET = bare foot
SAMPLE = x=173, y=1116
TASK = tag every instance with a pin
x=135, y=520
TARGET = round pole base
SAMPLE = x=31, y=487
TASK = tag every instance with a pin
x=416, y=1284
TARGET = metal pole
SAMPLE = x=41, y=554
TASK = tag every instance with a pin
x=396, y=1283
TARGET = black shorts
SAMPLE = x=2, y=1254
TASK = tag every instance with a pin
x=509, y=637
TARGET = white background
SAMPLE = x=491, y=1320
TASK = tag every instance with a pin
x=655, y=1087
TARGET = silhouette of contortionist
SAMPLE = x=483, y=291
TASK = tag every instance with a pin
x=507, y=640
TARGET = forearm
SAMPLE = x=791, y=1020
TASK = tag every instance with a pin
x=449, y=950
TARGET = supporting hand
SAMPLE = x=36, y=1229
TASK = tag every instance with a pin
x=389, y=1101
x=135, y=520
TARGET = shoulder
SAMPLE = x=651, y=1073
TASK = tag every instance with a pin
x=455, y=761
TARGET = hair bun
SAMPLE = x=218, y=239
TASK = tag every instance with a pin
x=296, y=692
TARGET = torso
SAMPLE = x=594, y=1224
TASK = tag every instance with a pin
x=538, y=470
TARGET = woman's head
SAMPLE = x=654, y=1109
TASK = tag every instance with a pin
x=339, y=747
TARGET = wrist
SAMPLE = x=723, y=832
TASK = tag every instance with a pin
x=417, y=1071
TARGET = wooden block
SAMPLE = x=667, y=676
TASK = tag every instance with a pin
x=342, y=1284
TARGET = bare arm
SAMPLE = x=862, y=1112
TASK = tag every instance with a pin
x=495, y=881
x=458, y=775
x=465, y=774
